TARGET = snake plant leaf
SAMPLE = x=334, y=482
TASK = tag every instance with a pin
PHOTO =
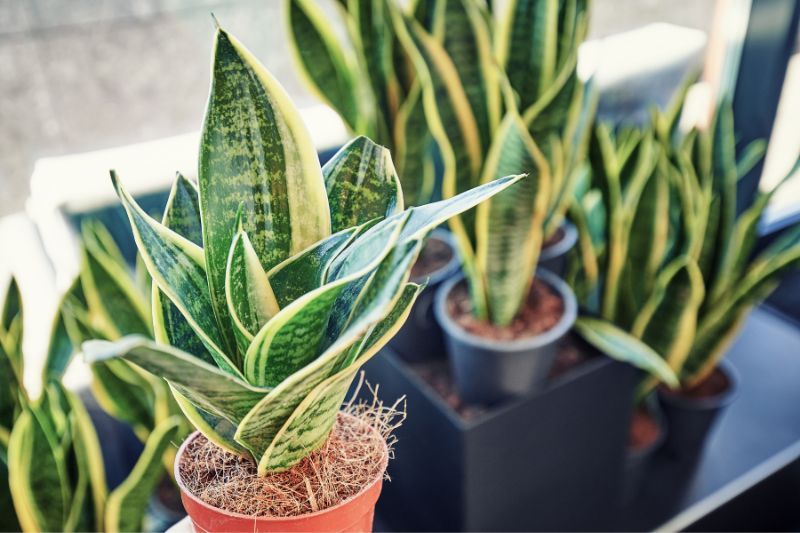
x=11, y=322
x=258, y=429
x=362, y=184
x=413, y=146
x=60, y=348
x=251, y=301
x=467, y=40
x=8, y=520
x=178, y=267
x=89, y=459
x=293, y=338
x=750, y=157
x=623, y=346
x=9, y=396
x=217, y=429
x=209, y=387
x=127, y=503
x=450, y=120
x=125, y=401
x=318, y=410
x=510, y=223
x=255, y=151
x=37, y=473
x=115, y=303
x=668, y=319
x=306, y=271
x=182, y=212
x=322, y=60
x=528, y=47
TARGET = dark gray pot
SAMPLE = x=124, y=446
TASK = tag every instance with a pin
x=554, y=257
x=690, y=419
x=421, y=337
x=637, y=462
x=488, y=371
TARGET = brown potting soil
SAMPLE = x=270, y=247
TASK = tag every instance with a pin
x=554, y=238
x=542, y=310
x=644, y=430
x=351, y=459
x=715, y=384
x=436, y=373
x=435, y=254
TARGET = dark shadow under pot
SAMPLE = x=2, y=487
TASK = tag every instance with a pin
x=646, y=435
x=488, y=370
x=553, y=256
x=690, y=414
x=421, y=338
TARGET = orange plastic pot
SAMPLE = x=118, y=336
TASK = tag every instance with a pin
x=354, y=514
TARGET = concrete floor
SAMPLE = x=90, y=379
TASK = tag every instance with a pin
x=80, y=75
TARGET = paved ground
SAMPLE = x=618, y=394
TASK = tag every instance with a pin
x=78, y=75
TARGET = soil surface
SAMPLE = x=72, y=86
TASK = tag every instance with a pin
x=541, y=311
x=715, y=384
x=644, y=430
x=435, y=255
x=436, y=373
x=351, y=459
x=555, y=238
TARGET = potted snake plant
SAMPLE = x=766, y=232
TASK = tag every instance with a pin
x=54, y=475
x=370, y=81
x=502, y=97
x=673, y=265
x=287, y=277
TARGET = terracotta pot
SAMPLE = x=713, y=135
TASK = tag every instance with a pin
x=354, y=514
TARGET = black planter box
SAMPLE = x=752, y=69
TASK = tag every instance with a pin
x=551, y=461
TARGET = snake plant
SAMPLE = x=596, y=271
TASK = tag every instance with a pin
x=665, y=257
x=106, y=302
x=276, y=278
x=369, y=80
x=53, y=466
x=502, y=97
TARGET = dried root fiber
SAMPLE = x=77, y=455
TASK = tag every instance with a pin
x=351, y=458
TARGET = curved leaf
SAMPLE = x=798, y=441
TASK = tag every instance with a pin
x=255, y=152
x=362, y=184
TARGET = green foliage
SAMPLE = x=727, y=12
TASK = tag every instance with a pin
x=501, y=98
x=300, y=275
x=369, y=80
x=51, y=458
x=663, y=253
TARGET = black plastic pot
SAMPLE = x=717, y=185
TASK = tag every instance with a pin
x=550, y=461
x=690, y=419
x=421, y=337
x=488, y=371
x=554, y=257
x=637, y=462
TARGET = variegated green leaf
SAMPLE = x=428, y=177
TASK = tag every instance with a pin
x=178, y=267
x=509, y=225
x=309, y=425
x=251, y=302
x=528, y=47
x=322, y=60
x=60, y=348
x=217, y=429
x=255, y=152
x=293, y=338
x=123, y=394
x=37, y=474
x=414, y=146
x=205, y=385
x=127, y=503
x=668, y=320
x=623, y=346
x=306, y=271
x=11, y=322
x=362, y=184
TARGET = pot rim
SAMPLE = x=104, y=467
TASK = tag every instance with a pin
x=503, y=347
x=277, y=519
x=717, y=401
x=562, y=246
x=448, y=269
